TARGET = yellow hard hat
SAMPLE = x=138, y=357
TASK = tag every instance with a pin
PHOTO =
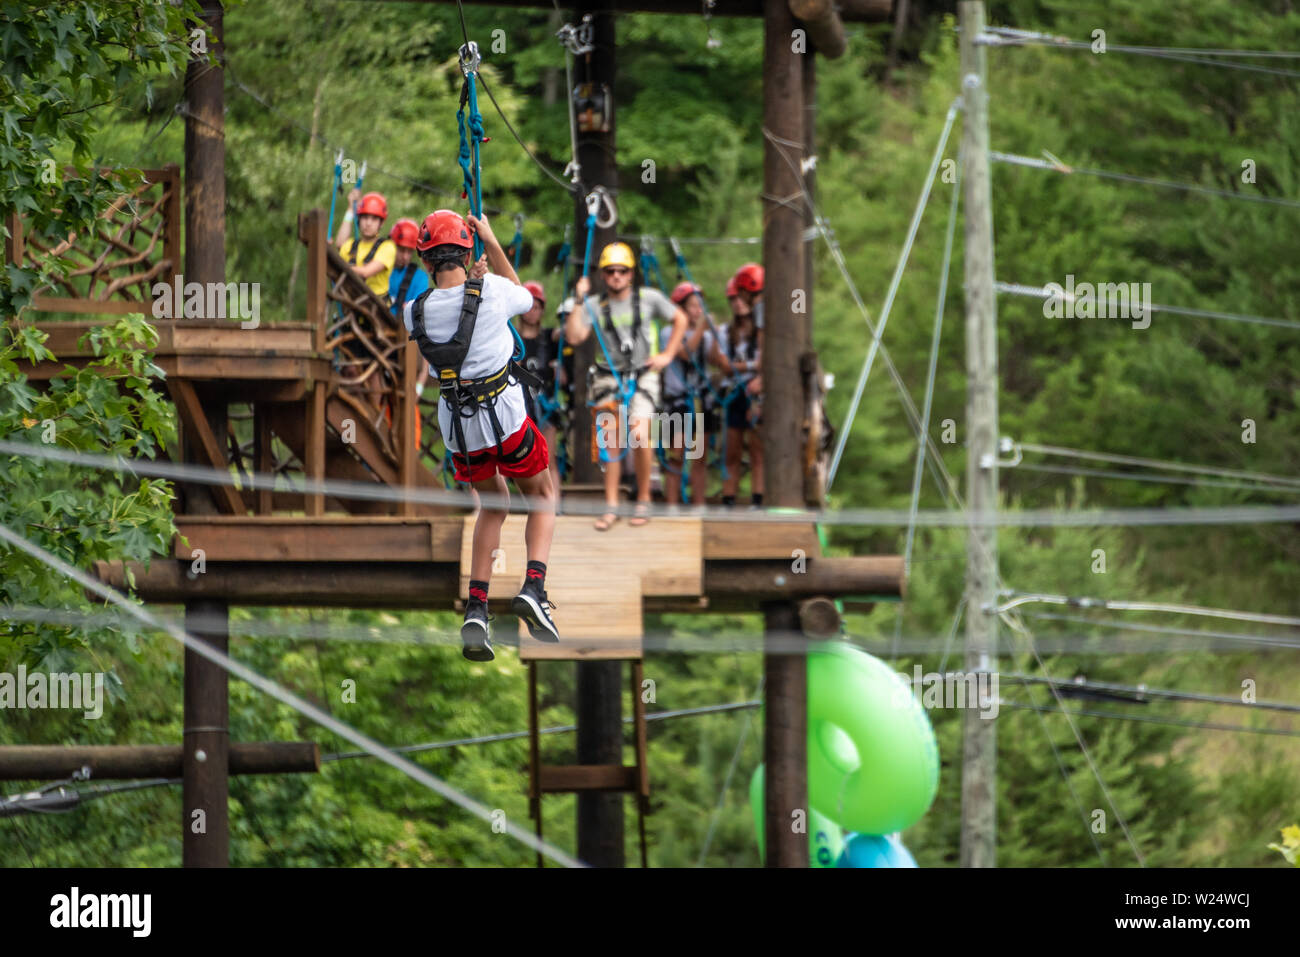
x=617, y=254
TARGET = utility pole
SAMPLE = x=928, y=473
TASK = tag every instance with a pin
x=205, y=742
x=599, y=683
x=786, y=337
x=979, y=736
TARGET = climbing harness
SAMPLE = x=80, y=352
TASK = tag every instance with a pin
x=466, y=397
x=374, y=248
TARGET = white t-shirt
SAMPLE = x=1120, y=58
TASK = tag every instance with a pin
x=489, y=350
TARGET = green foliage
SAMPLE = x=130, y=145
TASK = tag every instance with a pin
x=59, y=65
x=108, y=406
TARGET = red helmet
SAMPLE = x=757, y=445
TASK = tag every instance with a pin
x=732, y=289
x=373, y=204
x=749, y=277
x=683, y=291
x=536, y=289
x=444, y=227
x=405, y=233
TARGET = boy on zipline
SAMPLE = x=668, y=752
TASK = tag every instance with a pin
x=369, y=254
x=625, y=314
x=462, y=326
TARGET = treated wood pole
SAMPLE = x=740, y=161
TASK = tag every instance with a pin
x=205, y=831
x=979, y=735
x=33, y=762
x=599, y=685
x=786, y=336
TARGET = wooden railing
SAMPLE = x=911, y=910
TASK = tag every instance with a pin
x=135, y=242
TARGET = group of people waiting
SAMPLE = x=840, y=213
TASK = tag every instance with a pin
x=656, y=353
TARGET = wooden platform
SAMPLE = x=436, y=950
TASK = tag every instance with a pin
x=598, y=580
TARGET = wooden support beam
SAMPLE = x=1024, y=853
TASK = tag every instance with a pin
x=314, y=460
x=40, y=762
x=263, y=460
x=818, y=617
x=204, y=440
x=553, y=779
x=410, y=412
x=824, y=26
x=434, y=585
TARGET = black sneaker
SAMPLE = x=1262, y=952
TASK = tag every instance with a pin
x=477, y=632
x=532, y=606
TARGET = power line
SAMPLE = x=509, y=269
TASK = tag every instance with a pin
x=1151, y=719
x=1043, y=292
x=1141, y=691
x=1057, y=167
x=1008, y=37
x=1166, y=465
x=285, y=696
x=1266, y=641
x=1023, y=598
x=1158, y=479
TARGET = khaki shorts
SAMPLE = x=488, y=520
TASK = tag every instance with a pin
x=604, y=389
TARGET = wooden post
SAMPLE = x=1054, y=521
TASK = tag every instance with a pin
x=172, y=228
x=785, y=337
x=409, y=454
x=34, y=762
x=263, y=456
x=979, y=735
x=599, y=683
x=311, y=230
x=314, y=461
x=205, y=773
x=825, y=29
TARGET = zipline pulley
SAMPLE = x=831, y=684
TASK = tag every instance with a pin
x=469, y=58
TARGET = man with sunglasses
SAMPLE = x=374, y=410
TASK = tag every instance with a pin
x=625, y=313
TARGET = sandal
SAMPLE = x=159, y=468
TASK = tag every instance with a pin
x=640, y=515
x=606, y=521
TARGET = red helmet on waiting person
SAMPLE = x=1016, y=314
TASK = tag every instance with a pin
x=683, y=291
x=444, y=227
x=373, y=204
x=749, y=277
x=536, y=289
x=405, y=233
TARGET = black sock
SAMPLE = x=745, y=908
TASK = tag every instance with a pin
x=728, y=500
x=478, y=590
x=536, y=573
x=757, y=498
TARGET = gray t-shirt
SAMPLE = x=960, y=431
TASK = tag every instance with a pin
x=654, y=305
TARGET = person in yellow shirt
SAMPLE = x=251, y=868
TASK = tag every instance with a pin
x=370, y=254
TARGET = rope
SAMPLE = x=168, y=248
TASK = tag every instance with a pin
x=284, y=696
x=1260, y=640
x=893, y=291
x=1042, y=292
x=1033, y=163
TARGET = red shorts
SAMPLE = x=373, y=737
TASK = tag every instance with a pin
x=524, y=454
